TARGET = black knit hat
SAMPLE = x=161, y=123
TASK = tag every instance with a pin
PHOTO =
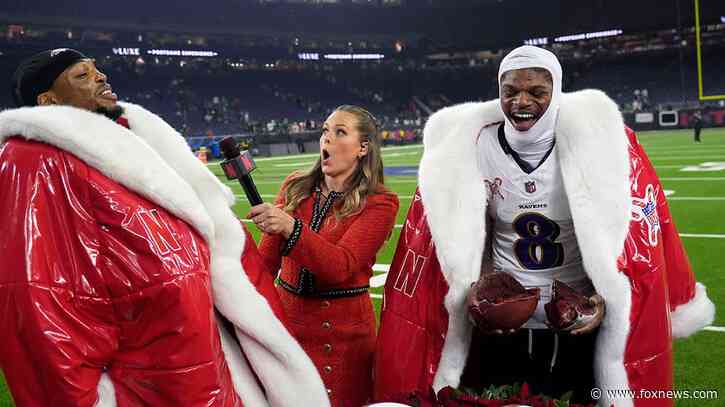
x=36, y=74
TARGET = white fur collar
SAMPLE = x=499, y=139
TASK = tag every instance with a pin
x=155, y=161
x=592, y=150
x=118, y=153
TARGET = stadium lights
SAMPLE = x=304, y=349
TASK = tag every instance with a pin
x=576, y=37
x=537, y=41
x=722, y=19
x=354, y=56
x=308, y=56
x=314, y=56
x=181, y=53
x=126, y=51
x=164, y=52
x=588, y=36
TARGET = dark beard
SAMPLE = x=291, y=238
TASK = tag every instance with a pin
x=112, y=113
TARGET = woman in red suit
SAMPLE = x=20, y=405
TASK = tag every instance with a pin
x=324, y=231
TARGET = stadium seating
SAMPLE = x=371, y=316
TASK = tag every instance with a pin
x=202, y=95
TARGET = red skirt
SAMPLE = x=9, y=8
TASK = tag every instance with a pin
x=339, y=336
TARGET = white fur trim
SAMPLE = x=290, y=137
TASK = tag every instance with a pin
x=453, y=194
x=106, y=392
x=694, y=315
x=454, y=197
x=598, y=191
x=113, y=150
x=155, y=161
x=242, y=376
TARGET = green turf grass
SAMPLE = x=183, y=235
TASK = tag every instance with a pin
x=698, y=359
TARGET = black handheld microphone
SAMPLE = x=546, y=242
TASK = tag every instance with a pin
x=239, y=165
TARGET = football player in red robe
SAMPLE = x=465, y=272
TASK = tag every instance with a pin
x=120, y=257
x=555, y=187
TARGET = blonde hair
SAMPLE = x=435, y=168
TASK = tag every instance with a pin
x=366, y=180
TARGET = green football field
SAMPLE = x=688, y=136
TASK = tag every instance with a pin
x=693, y=175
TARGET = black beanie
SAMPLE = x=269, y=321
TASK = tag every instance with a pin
x=36, y=74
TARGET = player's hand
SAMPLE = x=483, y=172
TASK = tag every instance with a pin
x=272, y=219
x=597, y=302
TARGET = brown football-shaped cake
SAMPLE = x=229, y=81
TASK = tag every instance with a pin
x=498, y=301
x=568, y=309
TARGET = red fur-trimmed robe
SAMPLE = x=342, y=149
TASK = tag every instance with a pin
x=117, y=247
x=632, y=254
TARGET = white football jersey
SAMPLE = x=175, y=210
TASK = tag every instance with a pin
x=533, y=233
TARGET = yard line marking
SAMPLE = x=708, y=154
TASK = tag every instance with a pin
x=709, y=166
x=400, y=154
x=692, y=179
x=686, y=148
x=679, y=153
x=274, y=196
x=256, y=182
x=378, y=296
x=420, y=146
x=667, y=193
x=696, y=198
x=381, y=267
x=300, y=164
x=688, y=157
x=390, y=181
x=403, y=147
x=713, y=151
x=289, y=157
x=715, y=328
x=378, y=280
x=414, y=180
x=308, y=163
x=262, y=195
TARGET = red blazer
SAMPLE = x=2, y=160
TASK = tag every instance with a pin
x=338, y=334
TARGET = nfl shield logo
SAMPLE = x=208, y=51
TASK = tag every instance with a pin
x=530, y=187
